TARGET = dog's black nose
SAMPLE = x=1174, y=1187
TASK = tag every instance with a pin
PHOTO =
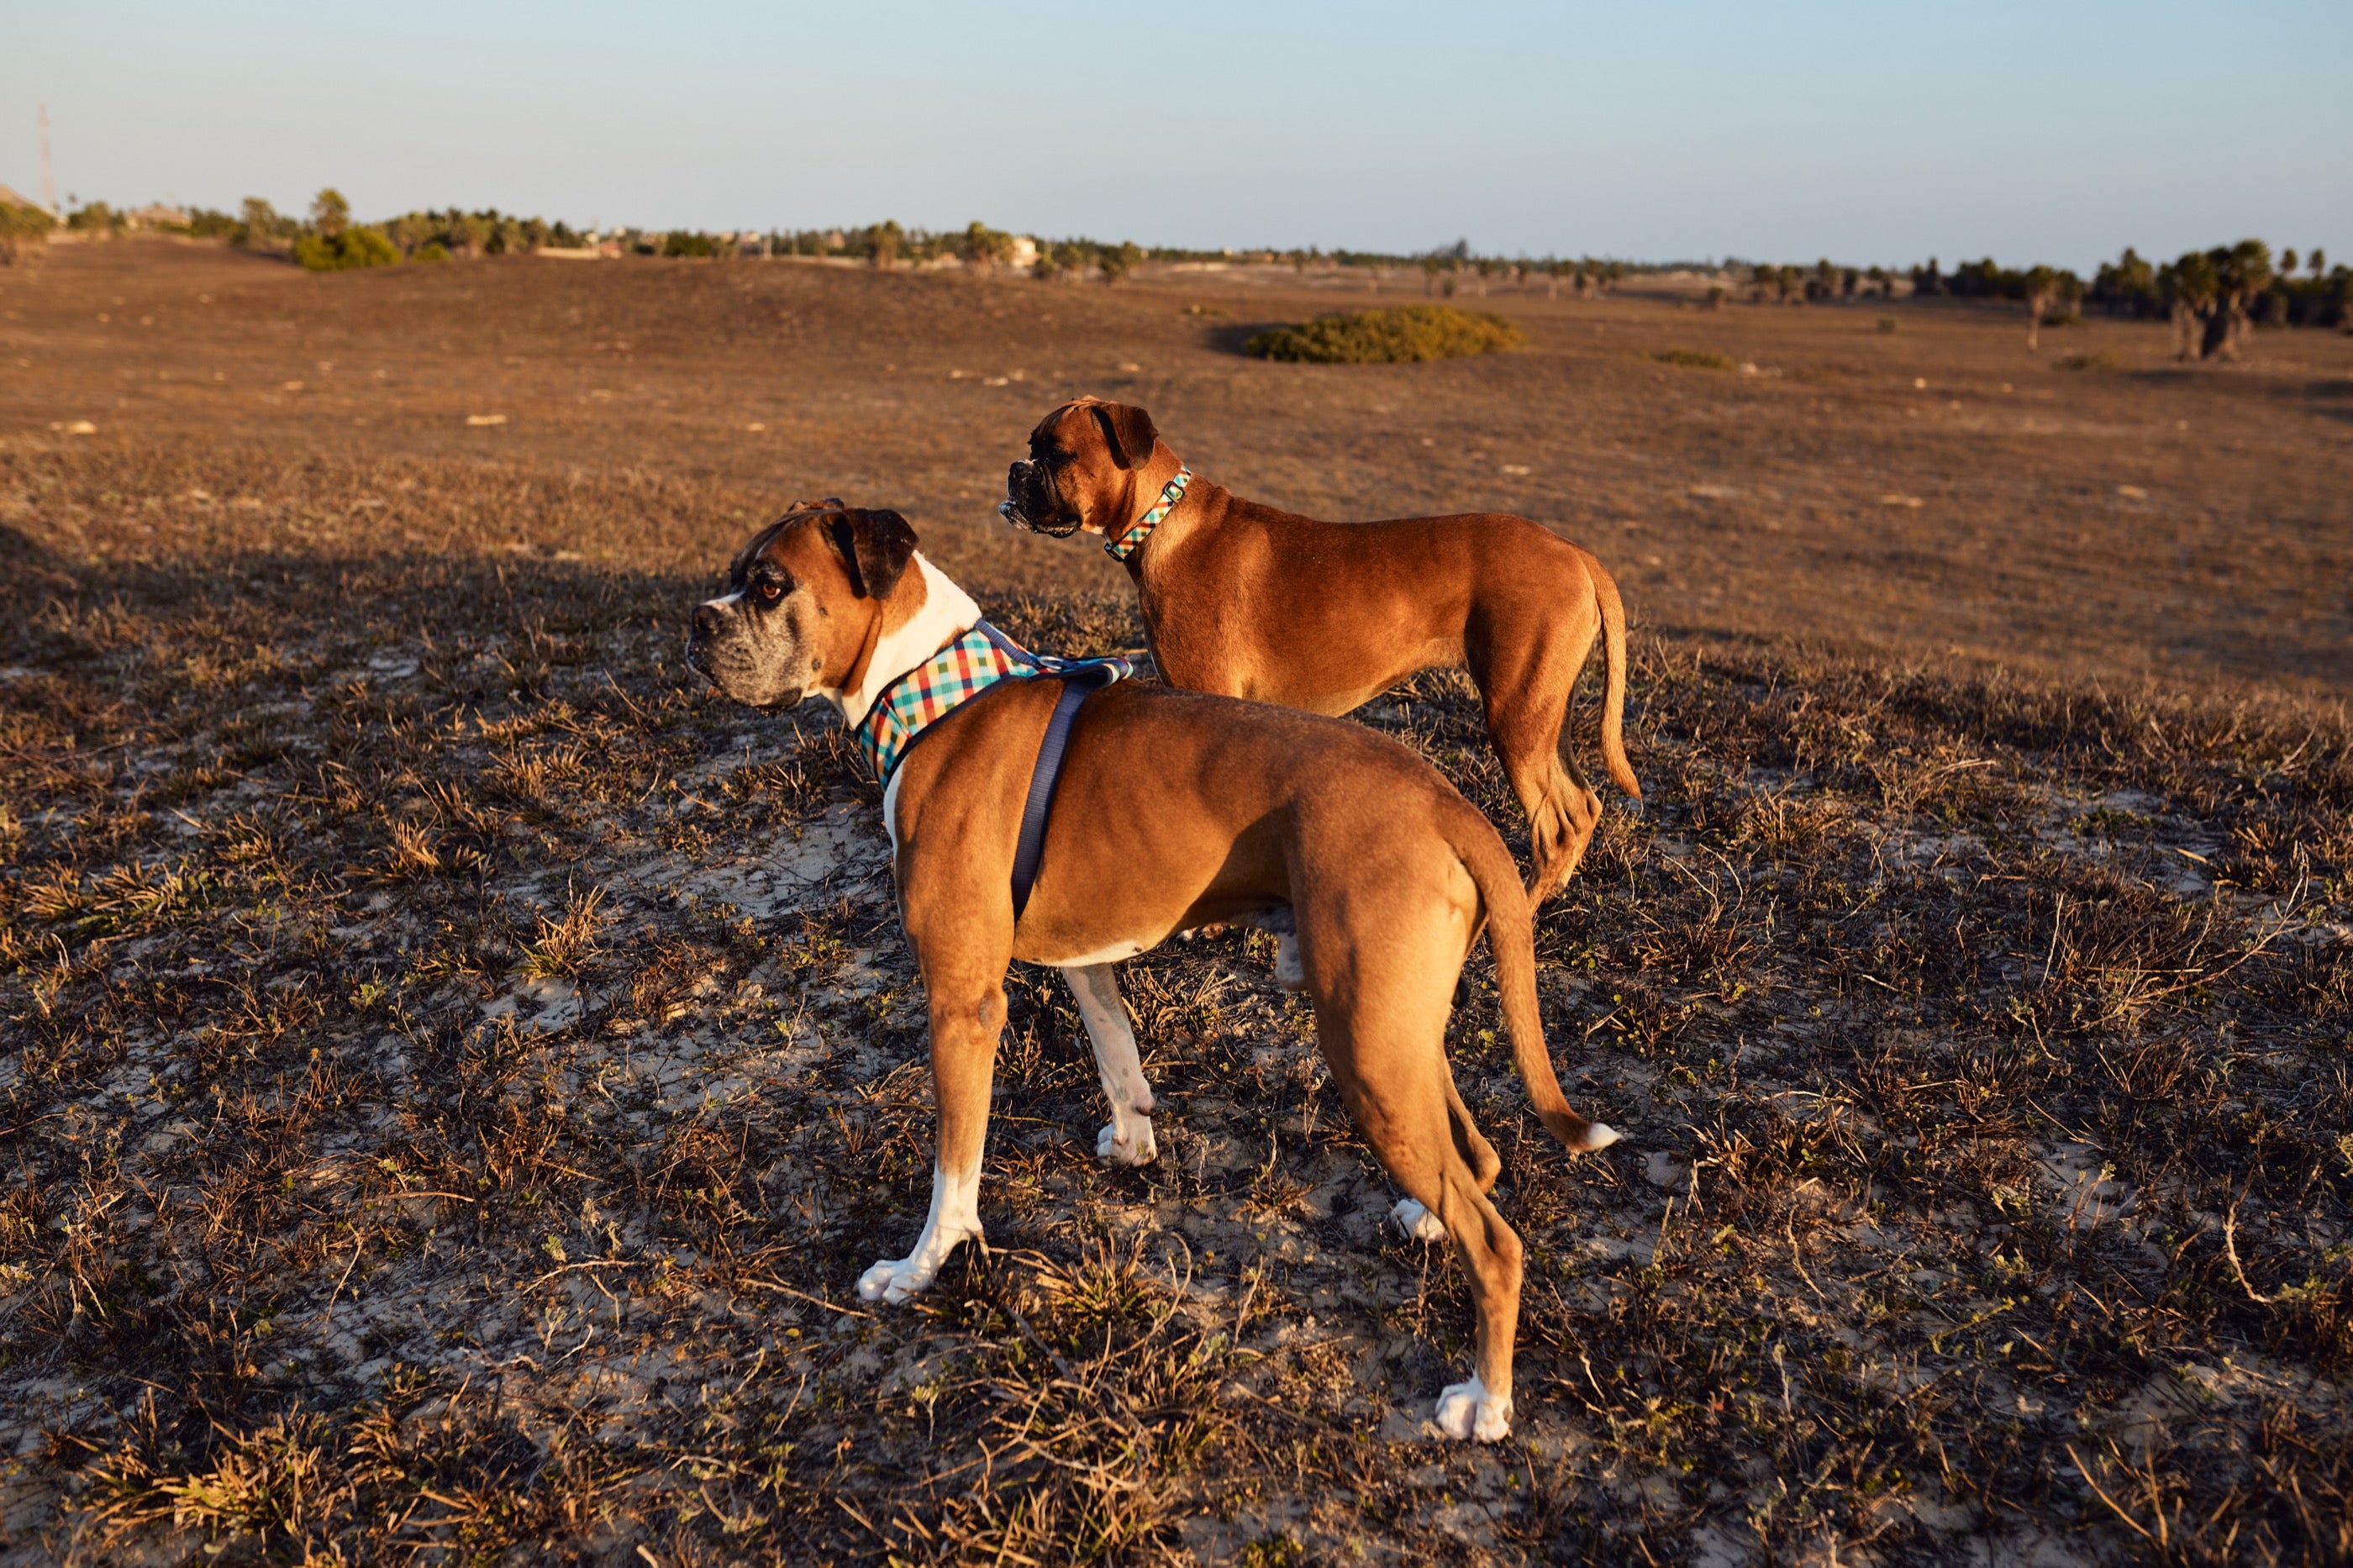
x=706, y=621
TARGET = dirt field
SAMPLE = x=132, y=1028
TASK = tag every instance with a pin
x=456, y=1069
x=2125, y=518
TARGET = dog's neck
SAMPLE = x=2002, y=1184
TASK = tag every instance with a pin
x=1149, y=506
x=947, y=613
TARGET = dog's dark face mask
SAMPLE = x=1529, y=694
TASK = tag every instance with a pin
x=760, y=643
x=1032, y=500
x=1083, y=457
x=770, y=640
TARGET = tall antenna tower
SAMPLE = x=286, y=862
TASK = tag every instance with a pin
x=48, y=178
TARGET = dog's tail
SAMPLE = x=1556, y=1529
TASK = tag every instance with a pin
x=1511, y=937
x=1613, y=672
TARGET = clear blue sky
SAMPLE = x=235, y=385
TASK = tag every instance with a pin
x=1867, y=132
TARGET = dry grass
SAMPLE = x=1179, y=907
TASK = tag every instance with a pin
x=456, y=1071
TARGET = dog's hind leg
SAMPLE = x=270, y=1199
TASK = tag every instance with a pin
x=1422, y=1156
x=1527, y=690
x=1380, y=992
x=1128, y=1139
x=1476, y=1151
x=1576, y=811
x=1485, y=1165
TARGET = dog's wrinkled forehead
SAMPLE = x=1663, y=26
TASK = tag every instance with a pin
x=1056, y=439
x=762, y=543
x=772, y=536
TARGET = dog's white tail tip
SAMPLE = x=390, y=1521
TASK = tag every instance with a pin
x=1600, y=1135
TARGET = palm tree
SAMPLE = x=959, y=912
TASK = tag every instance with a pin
x=2238, y=275
x=2041, y=288
x=2189, y=285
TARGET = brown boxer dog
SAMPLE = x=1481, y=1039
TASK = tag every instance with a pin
x=1175, y=810
x=1247, y=601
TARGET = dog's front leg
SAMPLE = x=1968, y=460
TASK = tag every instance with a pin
x=1128, y=1139
x=967, y=1022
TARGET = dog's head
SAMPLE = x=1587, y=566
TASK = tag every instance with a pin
x=1082, y=468
x=803, y=604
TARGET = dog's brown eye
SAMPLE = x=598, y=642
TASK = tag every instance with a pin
x=768, y=591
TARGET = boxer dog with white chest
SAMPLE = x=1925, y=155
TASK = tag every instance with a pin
x=1245, y=600
x=1172, y=810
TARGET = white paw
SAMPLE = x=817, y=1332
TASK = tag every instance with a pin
x=1139, y=1148
x=1600, y=1135
x=1417, y=1222
x=1466, y=1410
x=894, y=1279
x=1288, y=973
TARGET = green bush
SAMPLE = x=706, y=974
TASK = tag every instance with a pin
x=25, y=222
x=1696, y=359
x=352, y=247
x=431, y=250
x=24, y=232
x=1403, y=334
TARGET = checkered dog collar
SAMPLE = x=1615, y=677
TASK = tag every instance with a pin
x=954, y=677
x=1128, y=543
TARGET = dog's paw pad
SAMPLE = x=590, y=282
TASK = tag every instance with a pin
x=1417, y=1222
x=1466, y=1411
x=1139, y=1149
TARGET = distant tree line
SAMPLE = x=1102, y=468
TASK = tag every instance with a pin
x=329, y=240
x=2216, y=298
x=2213, y=297
x=1824, y=281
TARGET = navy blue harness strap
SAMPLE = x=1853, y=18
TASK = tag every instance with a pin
x=1077, y=687
x=1080, y=681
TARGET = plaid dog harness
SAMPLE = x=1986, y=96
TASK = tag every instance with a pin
x=1128, y=543
x=960, y=671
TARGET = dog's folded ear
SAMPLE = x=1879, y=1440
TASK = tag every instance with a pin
x=1129, y=431
x=874, y=545
x=826, y=503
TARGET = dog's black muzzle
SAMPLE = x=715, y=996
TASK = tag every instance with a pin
x=1030, y=503
x=704, y=630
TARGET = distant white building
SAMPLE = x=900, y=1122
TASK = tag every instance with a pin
x=1025, y=253
x=155, y=215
